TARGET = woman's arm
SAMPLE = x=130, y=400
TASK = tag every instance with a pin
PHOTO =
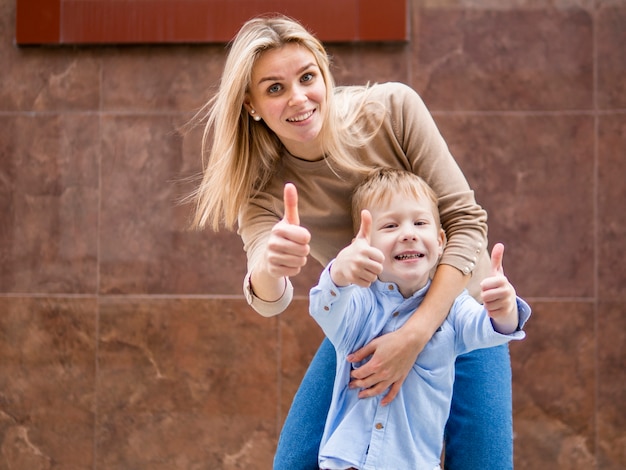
x=285, y=253
x=395, y=353
x=464, y=222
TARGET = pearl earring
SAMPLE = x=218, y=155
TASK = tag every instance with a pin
x=256, y=118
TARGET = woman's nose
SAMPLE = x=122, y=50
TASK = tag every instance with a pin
x=298, y=96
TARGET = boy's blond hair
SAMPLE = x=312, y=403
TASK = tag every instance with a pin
x=381, y=184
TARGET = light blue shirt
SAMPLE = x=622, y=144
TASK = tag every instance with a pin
x=407, y=433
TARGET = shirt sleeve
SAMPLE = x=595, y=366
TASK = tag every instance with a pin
x=473, y=326
x=333, y=308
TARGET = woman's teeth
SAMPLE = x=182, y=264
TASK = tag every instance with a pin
x=301, y=117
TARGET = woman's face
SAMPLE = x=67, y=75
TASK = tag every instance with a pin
x=288, y=92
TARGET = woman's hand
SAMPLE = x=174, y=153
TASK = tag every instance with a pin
x=393, y=356
x=286, y=251
x=288, y=244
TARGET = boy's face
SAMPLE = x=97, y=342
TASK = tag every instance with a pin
x=410, y=238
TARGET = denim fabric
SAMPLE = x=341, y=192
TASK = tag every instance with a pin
x=300, y=438
x=479, y=433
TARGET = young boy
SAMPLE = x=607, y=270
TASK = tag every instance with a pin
x=372, y=287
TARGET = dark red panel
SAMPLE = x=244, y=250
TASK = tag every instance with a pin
x=202, y=21
x=37, y=21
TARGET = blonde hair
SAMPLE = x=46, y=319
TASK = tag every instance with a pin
x=239, y=155
x=382, y=184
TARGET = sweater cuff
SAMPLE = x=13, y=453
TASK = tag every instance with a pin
x=263, y=307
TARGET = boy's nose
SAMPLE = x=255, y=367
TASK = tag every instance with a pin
x=409, y=233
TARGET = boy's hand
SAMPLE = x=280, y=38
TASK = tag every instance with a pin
x=359, y=263
x=499, y=295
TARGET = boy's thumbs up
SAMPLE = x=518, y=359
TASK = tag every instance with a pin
x=366, y=226
x=290, y=198
x=497, y=253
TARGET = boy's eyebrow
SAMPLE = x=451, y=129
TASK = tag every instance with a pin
x=278, y=78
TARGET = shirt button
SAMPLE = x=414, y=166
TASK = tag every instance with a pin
x=466, y=270
x=333, y=293
x=379, y=425
x=390, y=287
x=395, y=314
x=326, y=307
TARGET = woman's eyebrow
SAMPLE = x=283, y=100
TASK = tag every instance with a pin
x=278, y=78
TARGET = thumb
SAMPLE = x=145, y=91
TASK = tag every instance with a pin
x=290, y=198
x=497, y=253
x=366, y=225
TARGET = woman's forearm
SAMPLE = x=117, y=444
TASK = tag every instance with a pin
x=447, y=283
x=279, y=290
x=267, y=287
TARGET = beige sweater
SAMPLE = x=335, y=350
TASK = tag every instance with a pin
x=408, y=139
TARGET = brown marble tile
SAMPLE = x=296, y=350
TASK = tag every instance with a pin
x=503, y=59
x=48, y=203
x=160, y=78
x=611, y=419
x=505, y=6
x=532, y=174
x=44, y=79
x=611, y=203
x=62, y=81
x=358, y=64
x=47, y=383
x=145, y=244
x=186, y=384
x=554, y=388
x=611, y=37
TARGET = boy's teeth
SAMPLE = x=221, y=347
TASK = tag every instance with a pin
x=412, y=256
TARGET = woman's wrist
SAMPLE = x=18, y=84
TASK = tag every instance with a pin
x=266, y=287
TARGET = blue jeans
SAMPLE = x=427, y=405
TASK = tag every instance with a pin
x=479, y=433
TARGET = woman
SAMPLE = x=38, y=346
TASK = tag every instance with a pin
x=278, y=118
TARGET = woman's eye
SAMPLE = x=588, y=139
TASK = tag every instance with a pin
x=307, y=77
x=274, y=88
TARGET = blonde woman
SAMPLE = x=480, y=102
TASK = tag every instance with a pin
x=278, y=117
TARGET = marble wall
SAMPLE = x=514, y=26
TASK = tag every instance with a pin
x=125, y=342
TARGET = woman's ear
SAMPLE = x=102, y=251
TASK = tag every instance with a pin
x=247, y=104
